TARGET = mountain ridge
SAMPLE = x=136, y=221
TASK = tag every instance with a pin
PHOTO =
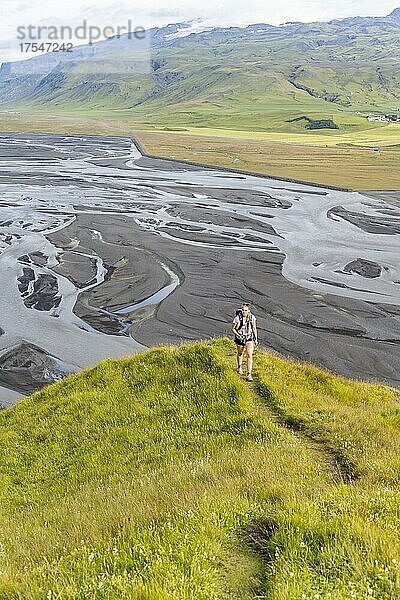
x=347, y=64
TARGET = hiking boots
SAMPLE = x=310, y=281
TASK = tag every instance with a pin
x=239, y=371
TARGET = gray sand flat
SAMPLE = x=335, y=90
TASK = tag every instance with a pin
x=122, y=251
x=357, y=339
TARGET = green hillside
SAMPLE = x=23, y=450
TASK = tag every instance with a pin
x=258, y=78
x=165, y=476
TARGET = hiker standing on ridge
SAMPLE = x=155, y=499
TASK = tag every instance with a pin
x=245, y=330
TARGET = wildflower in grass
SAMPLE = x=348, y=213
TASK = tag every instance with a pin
x=91, y=557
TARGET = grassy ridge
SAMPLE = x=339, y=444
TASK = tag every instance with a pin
x=165, y=476
x=355, y=528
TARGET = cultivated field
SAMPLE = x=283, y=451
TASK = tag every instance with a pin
x=329, y=158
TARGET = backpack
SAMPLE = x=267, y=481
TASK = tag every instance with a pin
x=239, y=314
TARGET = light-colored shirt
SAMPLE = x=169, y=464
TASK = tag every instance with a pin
x=246, y=329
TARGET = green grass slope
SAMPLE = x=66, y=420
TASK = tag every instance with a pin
x=165, y=476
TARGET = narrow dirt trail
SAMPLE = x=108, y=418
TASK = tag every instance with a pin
x=342, y=469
